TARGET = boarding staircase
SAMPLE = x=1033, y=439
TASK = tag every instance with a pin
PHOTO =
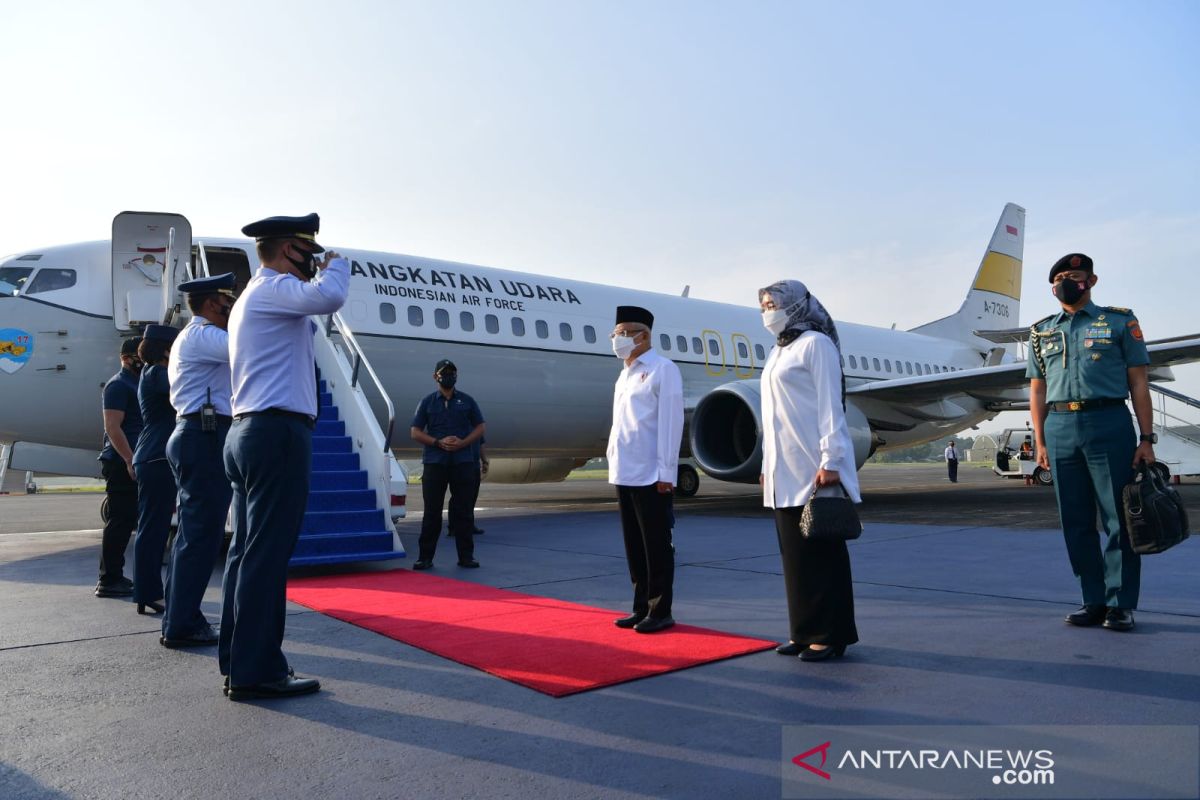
x=358, y=489
x=1177, y=423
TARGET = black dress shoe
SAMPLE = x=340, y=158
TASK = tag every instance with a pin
x=630, y=621
x=285, y=687
x=155, y=608
x=470, y=563
x=824, y=654
x=1086, y=616
x=424, y=563
x=114, y=590
x=654, y=625
x=1119, y=619
x=789, y=649
x=202, y=638
x=225, y=691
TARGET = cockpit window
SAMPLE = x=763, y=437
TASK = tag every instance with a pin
x=49, y=280
x=12, y=279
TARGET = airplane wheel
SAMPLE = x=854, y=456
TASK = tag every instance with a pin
x=688, y=481
x=1043, y=477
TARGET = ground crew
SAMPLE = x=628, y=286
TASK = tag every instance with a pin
x=201, y=394
x=1084, y=361
x=122, y=426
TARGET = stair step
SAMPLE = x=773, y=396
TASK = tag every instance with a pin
x=334, y=462
x=341, y=500
x=331, y=444
x=322, y=387
x=326, y=398
x=330, y=427
x=307, y=561
x=343, y=544
x=338, y=480
x=327, y=412
x=341, y=521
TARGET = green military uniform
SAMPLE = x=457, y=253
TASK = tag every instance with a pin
x=1090, y=439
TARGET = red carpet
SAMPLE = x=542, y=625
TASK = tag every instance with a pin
x=549, y=645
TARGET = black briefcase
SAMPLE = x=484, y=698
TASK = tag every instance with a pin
x=830, y=517
x=1154, y=514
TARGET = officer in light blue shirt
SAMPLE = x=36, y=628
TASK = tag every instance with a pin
x=1084, y=362
x=201, y=394
x=268, y=454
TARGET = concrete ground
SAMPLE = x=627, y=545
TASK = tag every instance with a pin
x=959, y=594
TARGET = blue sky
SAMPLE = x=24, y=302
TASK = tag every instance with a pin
x=865, y=148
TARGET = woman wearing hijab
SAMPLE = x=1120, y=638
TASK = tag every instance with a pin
x=156, y=482
x=806, y=446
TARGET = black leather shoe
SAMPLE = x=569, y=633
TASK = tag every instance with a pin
x=470, y=563
x=654, y=625
x=225, y=691
x=424, y=563
x=629, y=622
x=1086, y=616
x=114, y=590
x=824, y=654
x=155, y=608
x=202, y=638
x=789, y=649
x=285, y=687
x=1119, y=619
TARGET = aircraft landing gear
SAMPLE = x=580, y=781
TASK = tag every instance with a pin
x=687, y=482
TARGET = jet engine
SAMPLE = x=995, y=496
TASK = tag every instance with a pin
x=726, y=432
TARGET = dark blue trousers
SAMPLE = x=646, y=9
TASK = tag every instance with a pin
x=1091, y=457
x=198, y=461
x=268, y=459
x=156, y=501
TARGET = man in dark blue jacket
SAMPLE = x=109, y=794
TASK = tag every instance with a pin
x=122, y=425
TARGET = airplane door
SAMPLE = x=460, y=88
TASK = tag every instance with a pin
x=150, y=253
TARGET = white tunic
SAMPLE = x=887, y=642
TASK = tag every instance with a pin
x=270, y=337
x=804, y=426
x=199, y=368
x=643, y=445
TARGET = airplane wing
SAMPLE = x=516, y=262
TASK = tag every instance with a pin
x=994, y=384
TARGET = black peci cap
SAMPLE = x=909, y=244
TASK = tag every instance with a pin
x=305, y=228
x=218, y=283
x=635, y=314
x=163, y=333
x=445, y=363
x=1071, y=261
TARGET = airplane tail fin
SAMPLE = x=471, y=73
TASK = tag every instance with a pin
x=994, y=299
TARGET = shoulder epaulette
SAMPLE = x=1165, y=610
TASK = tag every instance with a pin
x=1046, y=318
x=1119, y=310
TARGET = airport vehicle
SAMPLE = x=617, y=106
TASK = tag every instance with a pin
x=533, y=349
x=1015, y=457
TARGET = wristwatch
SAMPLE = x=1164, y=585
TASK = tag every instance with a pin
x=1152, y=438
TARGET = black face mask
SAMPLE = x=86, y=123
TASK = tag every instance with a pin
x=447, y=380
x=306, y=265
x=1069, y=292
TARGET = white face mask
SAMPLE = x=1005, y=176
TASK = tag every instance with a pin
x=775, y=320
x=623, y=346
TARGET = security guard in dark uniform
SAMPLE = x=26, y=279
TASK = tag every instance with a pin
x=201, y=393
x=268, y=453
x=122, y=426
x=1084, y=361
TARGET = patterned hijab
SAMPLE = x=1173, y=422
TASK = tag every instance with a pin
x=805, y=312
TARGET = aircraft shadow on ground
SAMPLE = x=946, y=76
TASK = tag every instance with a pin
x=18, y=785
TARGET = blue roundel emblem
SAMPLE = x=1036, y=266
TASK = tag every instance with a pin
x=16, y=346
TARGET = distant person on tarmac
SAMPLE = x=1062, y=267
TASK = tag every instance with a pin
x=952, y=461
x=122, y=426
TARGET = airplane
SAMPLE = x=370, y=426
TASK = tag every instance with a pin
x=532, y=349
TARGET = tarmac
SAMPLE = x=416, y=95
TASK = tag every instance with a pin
x=960, y=593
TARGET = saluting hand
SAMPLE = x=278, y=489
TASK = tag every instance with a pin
x=330, y=255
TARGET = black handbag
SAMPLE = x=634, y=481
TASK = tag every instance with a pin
x=1154, y=514
x=830, y=517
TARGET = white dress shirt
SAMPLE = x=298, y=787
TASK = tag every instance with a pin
x=804, y=425
x=199, y=368
x=951, y=453
x=647, y=427
x=270, y=338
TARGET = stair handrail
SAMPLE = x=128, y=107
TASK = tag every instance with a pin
x=1174, y=395
x=361, y=360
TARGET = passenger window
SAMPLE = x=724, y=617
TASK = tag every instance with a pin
x=564, y=330
x=589, y=334
x=666, y=341
x=49, y=280
x=387, y=313
x=928, y=371
x=416, y=317
x=758, y=351
x=466, y=321
x=842, y=359
x=518, y=326
x=875, y=361
x=853, y=362
x=743, y=351
x=697, y=347
x=441, y=318
x=887, y=365
x=681, y=344
x=714, y=347
x=543, y=330
x=908, y=367
x=492, y=323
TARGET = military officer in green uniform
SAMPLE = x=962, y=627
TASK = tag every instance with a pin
x=1084, y=362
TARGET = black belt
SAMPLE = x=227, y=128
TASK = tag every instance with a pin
x=195, y=417
x=1087, y=405
x=278, y=412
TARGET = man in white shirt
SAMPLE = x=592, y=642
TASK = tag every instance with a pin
x=643, y=461
x=952, y=461
x=268, y=453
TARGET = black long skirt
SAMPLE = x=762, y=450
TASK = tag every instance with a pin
x=816, y=573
